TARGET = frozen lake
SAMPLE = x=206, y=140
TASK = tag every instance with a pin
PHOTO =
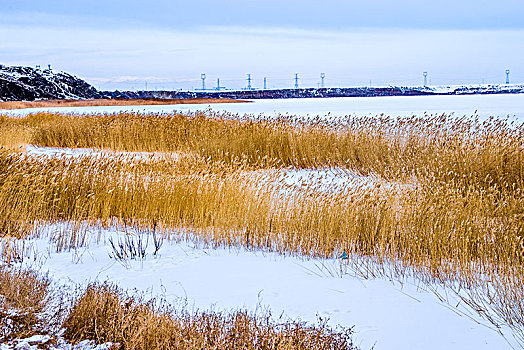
x=386, y=315
x=501, y=105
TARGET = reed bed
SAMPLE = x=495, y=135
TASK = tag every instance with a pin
x=455, y=217
x=23, y=296
x=31, y=305
x=225, y=205
x=452, y=149
x=106, y=314
x=443, y=232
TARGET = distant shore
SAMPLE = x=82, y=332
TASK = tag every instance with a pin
x=255, y=94
x=112, y=102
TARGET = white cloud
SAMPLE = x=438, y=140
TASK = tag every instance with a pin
x=176, y=58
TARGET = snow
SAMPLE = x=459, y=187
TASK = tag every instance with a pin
x=40, y=341
x=37, y=151
x=58, y=152
x=471, y=89
x=297, y=183
x=498, y=105
x=32, y=342
x=333, y=179
x=386, y=314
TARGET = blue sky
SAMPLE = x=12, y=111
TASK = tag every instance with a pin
x=124, y=44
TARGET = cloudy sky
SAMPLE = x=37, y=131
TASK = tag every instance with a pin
x=168, y=44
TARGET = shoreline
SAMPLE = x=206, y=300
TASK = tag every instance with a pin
x=113, y=102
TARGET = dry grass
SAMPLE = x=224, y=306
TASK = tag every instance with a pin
x=441, y=231
x=14, y=137
x=465, y=150
x=111, y=102
x=456, y=217
x=106, y=314
x=23, y=296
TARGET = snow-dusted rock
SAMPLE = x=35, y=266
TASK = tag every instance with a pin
x=28, y=84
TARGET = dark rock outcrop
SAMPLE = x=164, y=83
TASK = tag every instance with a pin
x=28, y=84
x=272, y=94
x=321, y=92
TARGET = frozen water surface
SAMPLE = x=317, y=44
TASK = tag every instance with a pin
x=497, y=105
x=385, y=314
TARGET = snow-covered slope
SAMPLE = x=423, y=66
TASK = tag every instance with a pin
x=28, y=84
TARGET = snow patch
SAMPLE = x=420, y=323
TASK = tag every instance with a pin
x=386, y=314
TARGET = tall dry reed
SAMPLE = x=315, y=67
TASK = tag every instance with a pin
x=455, y=216
x=451, y=149
x=106, y=314
x=23, y=296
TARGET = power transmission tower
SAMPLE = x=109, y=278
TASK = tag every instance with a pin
x=296, y=80
x=249, y=82
x=203, y=77
x=425, y=78
x=507, y=76
x=322, y=76
x=265, y=83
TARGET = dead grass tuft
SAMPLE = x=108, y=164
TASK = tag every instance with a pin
x=106, y=314
x=23, y=296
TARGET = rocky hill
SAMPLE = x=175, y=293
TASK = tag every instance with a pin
x=28, y=84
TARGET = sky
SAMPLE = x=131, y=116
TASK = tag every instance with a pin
x=169, y=44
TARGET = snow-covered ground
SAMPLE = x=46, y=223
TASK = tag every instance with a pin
x=386, y=314
x=59, y=152
x=79, y=152
x=36, y=342
x=499, y=105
